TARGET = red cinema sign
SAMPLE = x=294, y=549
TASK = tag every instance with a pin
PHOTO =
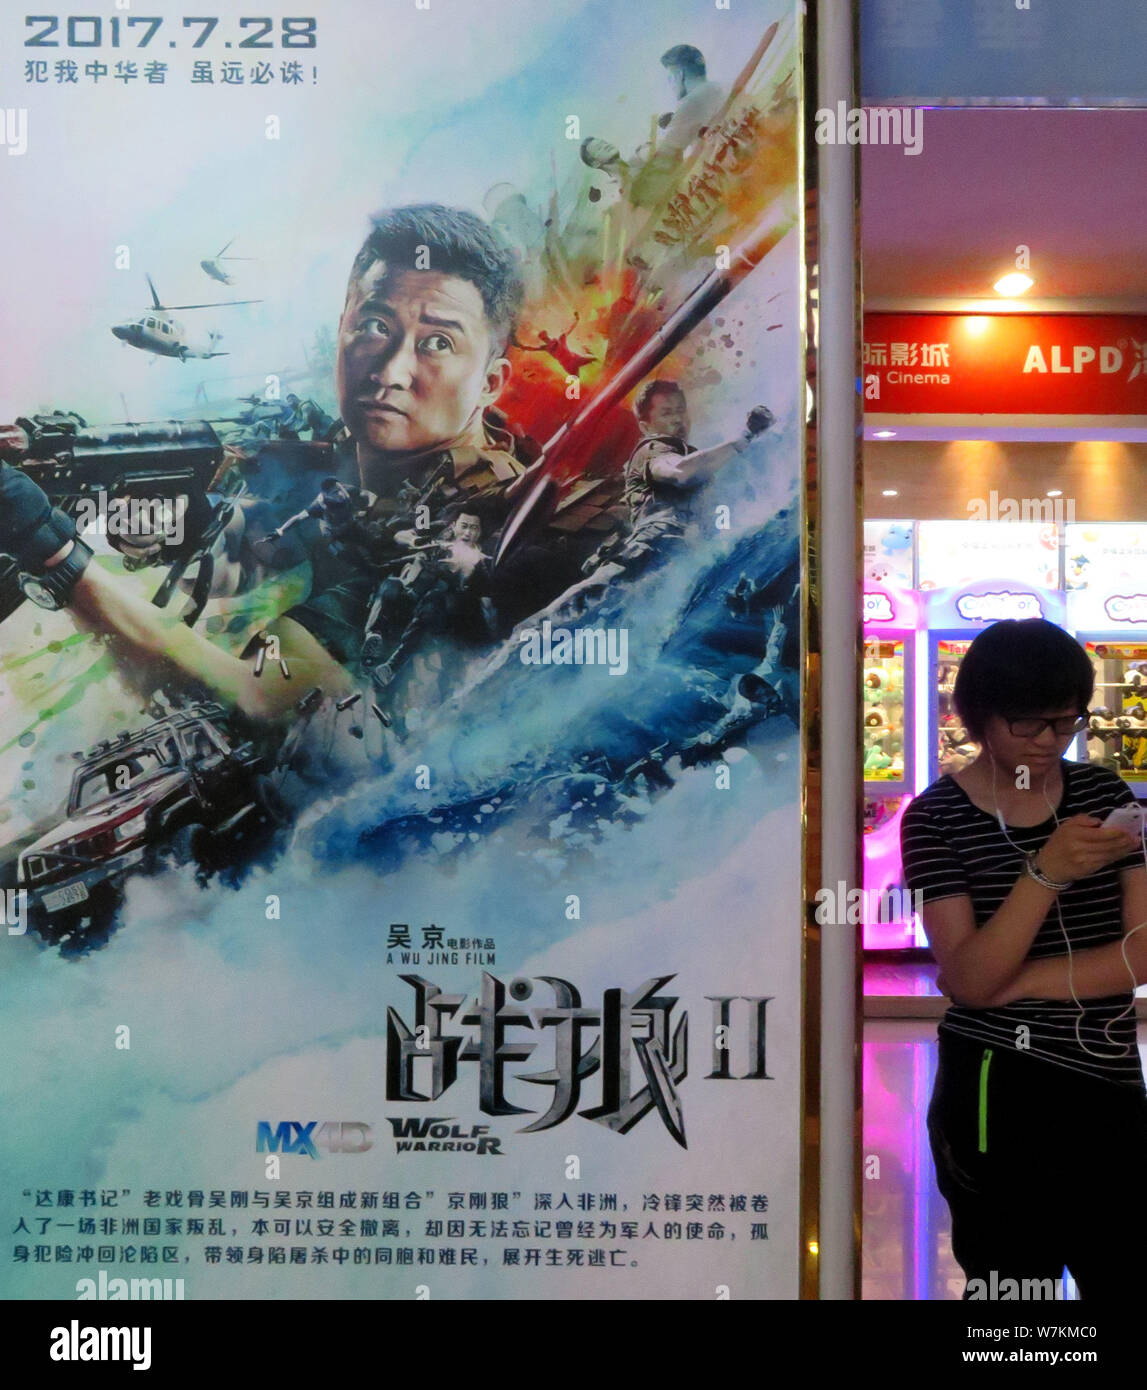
x=1005, y=364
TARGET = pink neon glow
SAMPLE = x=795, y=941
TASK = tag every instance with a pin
x=887, y=608
x=882, y=871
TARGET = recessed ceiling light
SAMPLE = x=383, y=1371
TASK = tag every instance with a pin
x=1015, y=283
x=884, y=434
x=890, y=492
x=1055, y=492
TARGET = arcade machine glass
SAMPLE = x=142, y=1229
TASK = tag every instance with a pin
x=887, y=692
x=1106, y=575
x=971, y=574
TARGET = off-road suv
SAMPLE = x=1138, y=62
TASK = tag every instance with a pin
x=179, y=789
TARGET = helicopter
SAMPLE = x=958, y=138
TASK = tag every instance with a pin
x=214, y=266
x=156, y=331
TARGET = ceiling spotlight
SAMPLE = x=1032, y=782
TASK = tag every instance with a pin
x=1015, y=283
x=890, y=492
x=1055, y=492
x=884, y=434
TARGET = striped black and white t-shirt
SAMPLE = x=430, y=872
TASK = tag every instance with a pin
x=949, y=847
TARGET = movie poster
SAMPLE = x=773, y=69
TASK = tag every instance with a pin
x=401, y=523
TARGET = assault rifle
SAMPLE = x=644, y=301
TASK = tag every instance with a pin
x=167, y=463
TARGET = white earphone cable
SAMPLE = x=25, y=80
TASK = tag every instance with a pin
x=1124, y=1049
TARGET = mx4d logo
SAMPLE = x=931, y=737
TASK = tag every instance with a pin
x=313, y=1139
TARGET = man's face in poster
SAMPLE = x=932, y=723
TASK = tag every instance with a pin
x=468, y=528
x=416, y=361
x=668, y=415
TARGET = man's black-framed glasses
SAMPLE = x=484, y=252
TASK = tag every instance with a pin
x=1032, y=727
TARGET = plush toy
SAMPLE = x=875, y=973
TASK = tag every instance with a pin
x=873, y=688
x=1135, y=748
x=1099, y=735
x=876, y=759
x=883, y=685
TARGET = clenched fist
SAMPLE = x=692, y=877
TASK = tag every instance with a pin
x=758, y=420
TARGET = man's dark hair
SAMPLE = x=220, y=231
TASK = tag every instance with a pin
x=690, y=60
x=649, y=393
x=1016, y=668
x=456, y=242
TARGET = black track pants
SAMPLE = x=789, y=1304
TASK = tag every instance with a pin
x=1042, y=1167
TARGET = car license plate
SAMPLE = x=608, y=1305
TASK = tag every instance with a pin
x=66, y=897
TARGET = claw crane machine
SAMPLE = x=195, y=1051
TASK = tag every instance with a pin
x=971, y=574
x=892, y=620
x=966, y=575
x=1106, y=577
